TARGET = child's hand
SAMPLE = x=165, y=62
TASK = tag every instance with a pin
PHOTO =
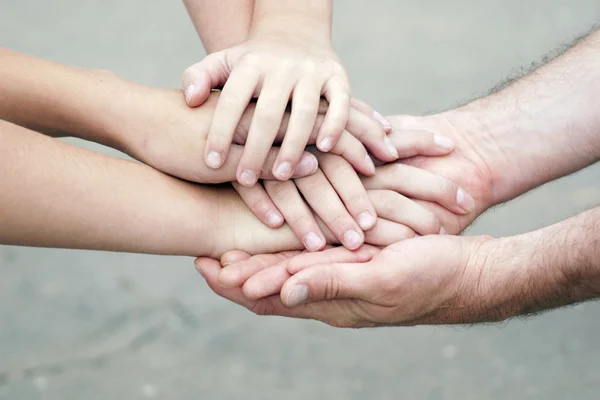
x=334, y=193
x=276, y=69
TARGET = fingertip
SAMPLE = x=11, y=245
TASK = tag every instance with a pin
x=385, y=124
x=366, y=220
x=352, y=239
x=307, y=165
x=233, y=256
x=228, y=277
x=444, y=143
x=325, y=145
x=274, y=219
x=214, y=159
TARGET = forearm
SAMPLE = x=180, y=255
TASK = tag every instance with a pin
x=310, y=18
x=58, y=195
x=545, y=269
x=56, y=99
x=220, y=23
x=543, y=126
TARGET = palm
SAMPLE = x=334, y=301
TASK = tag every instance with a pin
x=464, y=165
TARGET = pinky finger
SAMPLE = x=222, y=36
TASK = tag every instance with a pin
x=353, y=151
x=337, y=94
x=366, y=109
x=261, y=205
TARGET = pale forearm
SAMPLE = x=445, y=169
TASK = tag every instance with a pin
x=543, y=126
x=220, y=23
x=545, y=269
x=56, y=99
x=59, y=195
x=311, y=18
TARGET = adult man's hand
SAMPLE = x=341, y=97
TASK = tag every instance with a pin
x=426, y=280
x=467, y=166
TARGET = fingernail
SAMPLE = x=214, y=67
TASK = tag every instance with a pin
x=442, y=231
x=248, y=178
x=370, y=164
x=391, y=148
x=352, y=239
x=312, y=242
x=189, y=92
x=283, y=171
x=465, y=201
x=307, y=166
x=273, y=219
x=213, y=159
x=326, y=144
x=443, y=142
x=366, y=220
x=298, y=295
x=382, y=121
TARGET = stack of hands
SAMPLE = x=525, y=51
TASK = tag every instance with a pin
x=316, y=205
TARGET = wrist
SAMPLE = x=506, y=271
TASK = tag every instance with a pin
x=299, y=21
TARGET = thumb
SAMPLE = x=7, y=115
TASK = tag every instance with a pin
x=200, y=78
x=327, y=282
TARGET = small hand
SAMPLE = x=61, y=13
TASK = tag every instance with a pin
x=275, y=70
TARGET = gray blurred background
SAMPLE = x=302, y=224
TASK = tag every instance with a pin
x=92, y=325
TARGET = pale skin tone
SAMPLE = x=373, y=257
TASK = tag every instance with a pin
x=537, y=129
x=285, y=56
x=59, y=195
x=257, y=49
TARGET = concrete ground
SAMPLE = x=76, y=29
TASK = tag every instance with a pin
x=92, y=325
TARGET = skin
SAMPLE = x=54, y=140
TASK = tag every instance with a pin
x=286, y=55
x=547, y=124
x=59, y=195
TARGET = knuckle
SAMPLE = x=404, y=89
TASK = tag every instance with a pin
x=304, y=107
x=335, y=68
x=267, y=115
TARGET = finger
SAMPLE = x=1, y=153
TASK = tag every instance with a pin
x=334, y=255
x=335, y=313
x=234, y=256
x=261, y=205
x=210, y=270
x=236, y=95
x=387, y=232
x=200, y=78
x=235, y=274
x=394, y=207
x=325, y=202
x=266, y=282
x=337, y=94
x=410, y=143
x=307, y=166
x=328, y=282
x=372, y=135
x=419, y=184
x=355, y=153
x=369, y=111
x=296, y=213
x=265, y=124
x=350, y=189
x=305, y=103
